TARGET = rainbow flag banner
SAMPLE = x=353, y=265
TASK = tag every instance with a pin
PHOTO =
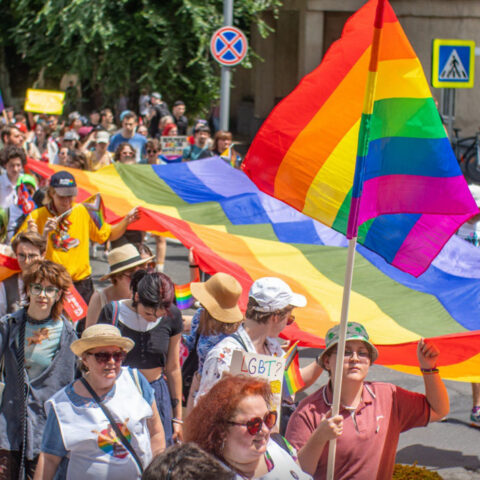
x=184, y=296
x=236, y=228
x=292, y=379
x=409, y=194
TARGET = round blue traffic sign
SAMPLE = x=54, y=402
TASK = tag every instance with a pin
x=228, y=46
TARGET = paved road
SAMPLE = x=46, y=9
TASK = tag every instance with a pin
x=452, y=448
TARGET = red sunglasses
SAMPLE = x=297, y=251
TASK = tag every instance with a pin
x=255, y=424
x=104, y=357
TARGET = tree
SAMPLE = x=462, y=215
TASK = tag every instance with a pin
x=123, y=45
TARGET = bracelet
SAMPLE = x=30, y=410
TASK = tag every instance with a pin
x=193, y=266
x=429, y=371
x=177, y=420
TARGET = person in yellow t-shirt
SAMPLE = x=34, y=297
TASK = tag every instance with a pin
x=68, y=227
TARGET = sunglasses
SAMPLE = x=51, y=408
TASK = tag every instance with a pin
x=254, y=425
x=152, y=151
x=104, y=357
x=36, y=289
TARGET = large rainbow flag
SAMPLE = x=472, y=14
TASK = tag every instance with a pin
x=236, y=228
x=409, y=193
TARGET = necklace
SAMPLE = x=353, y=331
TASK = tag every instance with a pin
x=36, y=322
x=346, y=407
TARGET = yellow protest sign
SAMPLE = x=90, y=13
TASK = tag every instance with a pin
x=44, y=101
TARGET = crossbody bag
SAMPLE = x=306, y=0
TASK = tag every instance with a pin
x=114, y=425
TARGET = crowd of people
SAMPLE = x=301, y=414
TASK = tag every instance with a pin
x=107, y=396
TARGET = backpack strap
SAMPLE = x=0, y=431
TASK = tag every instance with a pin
x=115, y=309
x=239, y=339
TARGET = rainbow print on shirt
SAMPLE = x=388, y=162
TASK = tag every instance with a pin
x=109, y=443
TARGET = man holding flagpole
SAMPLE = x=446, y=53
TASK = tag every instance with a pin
x=372, y=414
x=68, y=227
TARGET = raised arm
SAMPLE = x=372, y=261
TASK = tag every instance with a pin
x=435, y=389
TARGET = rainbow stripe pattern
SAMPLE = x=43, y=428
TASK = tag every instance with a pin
x=236, y=228
x=96, y=209
x=184, y=297
x=292, y=379
x=409, y=195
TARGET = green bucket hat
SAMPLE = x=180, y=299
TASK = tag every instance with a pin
x=355, y=331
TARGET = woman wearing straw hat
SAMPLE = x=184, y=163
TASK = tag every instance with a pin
x=218, y=317
x=123, y=262
x=372, y=414
x=107, y=421
x=151, y=320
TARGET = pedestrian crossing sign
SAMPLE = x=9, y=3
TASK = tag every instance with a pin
x=453, y=63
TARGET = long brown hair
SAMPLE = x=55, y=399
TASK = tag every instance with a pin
x=210, y=326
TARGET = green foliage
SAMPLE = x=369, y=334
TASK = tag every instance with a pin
x=123, y=45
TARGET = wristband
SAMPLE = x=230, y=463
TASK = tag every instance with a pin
x=193, y=266
x=429, y=371
x=177, y=420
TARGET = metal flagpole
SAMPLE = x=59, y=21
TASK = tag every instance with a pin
x=352, y=227
x=225, y=72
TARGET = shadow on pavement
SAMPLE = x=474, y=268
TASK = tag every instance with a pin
x=435, y=457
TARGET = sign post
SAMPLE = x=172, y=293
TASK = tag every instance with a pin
x=228, y=46
x=453, y=66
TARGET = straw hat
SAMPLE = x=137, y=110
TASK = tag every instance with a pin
x=220, y=295
x=122, y=258
x=101, y=335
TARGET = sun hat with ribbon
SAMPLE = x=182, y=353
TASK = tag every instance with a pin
x=355, y=331
x=123, y=258
x=219, y=295
x=101, y=335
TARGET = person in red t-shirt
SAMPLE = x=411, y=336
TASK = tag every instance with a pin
x=372, y=414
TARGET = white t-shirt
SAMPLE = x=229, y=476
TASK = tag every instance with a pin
x=220, y=356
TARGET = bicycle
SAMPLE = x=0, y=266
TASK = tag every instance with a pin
x=467, y=152
x=472, y=160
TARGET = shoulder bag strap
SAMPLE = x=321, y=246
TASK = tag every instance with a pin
x=114, y=425
x=239, y=339
x=115, y=308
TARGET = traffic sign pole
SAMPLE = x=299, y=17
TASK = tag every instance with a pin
x=225, y=72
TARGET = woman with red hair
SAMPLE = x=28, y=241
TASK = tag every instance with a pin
x=233, y=422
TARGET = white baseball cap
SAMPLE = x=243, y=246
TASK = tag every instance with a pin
x=273, y=294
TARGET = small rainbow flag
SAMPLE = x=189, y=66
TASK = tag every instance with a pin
x=94, y=205
x=292, y=379
x=184, y=296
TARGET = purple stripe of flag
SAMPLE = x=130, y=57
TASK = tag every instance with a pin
x=415, y=194
x=426, y=239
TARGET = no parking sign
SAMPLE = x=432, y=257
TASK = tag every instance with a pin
x=228, y=46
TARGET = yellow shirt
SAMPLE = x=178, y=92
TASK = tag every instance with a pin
x=69, y=244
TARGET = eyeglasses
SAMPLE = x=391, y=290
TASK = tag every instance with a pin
x=104, y=357
x=36, y=289
x=255, y=424
x=290, y=318
x=151, y=151
x=27, y=256
x=361, y=354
